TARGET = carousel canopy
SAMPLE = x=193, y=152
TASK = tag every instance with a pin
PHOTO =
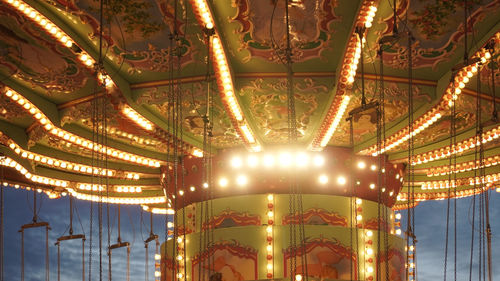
x=84, y=97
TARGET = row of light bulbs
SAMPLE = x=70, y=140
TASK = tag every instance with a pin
x=67, y=165
x=223, y=76
x=54, y=31
x=462, y=167
x=459, y=147
x=70, y=137
x=454, y=183
x=119, y=188
x=424, y=196
x=137, y=118
x=159, y=211
x=340, y=110
x=346, y=78
x=452, y=92
x=117, y=200
x=270, y=236
x=403, y=135
x=283, y=159
x=8, y=162
x=224, y=80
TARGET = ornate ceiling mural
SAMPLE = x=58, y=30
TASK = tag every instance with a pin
x=194, y=107
x=26, y=53
x=396, y=104
x=438, y=30
x=129, y=23
x=267, y=104
x=310, y=27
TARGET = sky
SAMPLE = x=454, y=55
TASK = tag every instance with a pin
x=430, y=231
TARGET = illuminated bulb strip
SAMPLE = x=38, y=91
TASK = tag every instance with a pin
x=463, y=167
x=345, y=80
x=359, y=213
x=369, y=255
x=397, y=223
x=451, y=94
x=180, y=257
x=72, y=138
x=67, y=165
x=161, y=211
x=137, y=118
x=223, y=77
x=460, y=147
x=491, y=178
x=338, y=117
x=270, y=236
x=117, y=200
x=128, y=189
x=411, y=263
x=57, y=33
x=228, y=96
x=424, y=196
x=119, y=188
x=8, y=162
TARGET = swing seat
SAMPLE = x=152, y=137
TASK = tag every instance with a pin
x=152, y=237
x=119, y=245
x=71, y=237
x=34, y=225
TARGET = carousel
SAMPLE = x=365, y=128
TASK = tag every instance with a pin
x=274, y=140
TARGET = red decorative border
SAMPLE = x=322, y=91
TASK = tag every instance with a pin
x=241, y=219
x=329, y=218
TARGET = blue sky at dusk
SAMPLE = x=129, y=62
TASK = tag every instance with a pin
x=430, y=231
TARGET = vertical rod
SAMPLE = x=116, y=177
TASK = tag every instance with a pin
x=119, y=225
x=58, y=261
x=70, y=215
x=47, y=262
x=22, y=255
x=83, y=259
x=34, y=206
x=1, y=226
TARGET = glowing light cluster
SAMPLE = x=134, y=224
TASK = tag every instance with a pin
x=223, y=76
x=63, y=164
x=369, y=255
x=8, y=162
x=270, y=236
x=137, y=118
x=282, y=159
x=463, y=167
x=424, y=196
x=397, y=223
x=120, y=188
x=72, y=138
x=461, y=78
x=403, y=135
x=180, y=256
x=203, y=13
x=128, y=189
x=367, y=14
x=46, y=24
x=345, y=80
x=358, y=212
x=57, y=33
x=411, y=263
x=447, y=184
x=226, y=87
x=460, y=147
x=117, y=200
x=340, y=110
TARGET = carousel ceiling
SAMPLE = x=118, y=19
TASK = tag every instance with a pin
x=49, y=85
